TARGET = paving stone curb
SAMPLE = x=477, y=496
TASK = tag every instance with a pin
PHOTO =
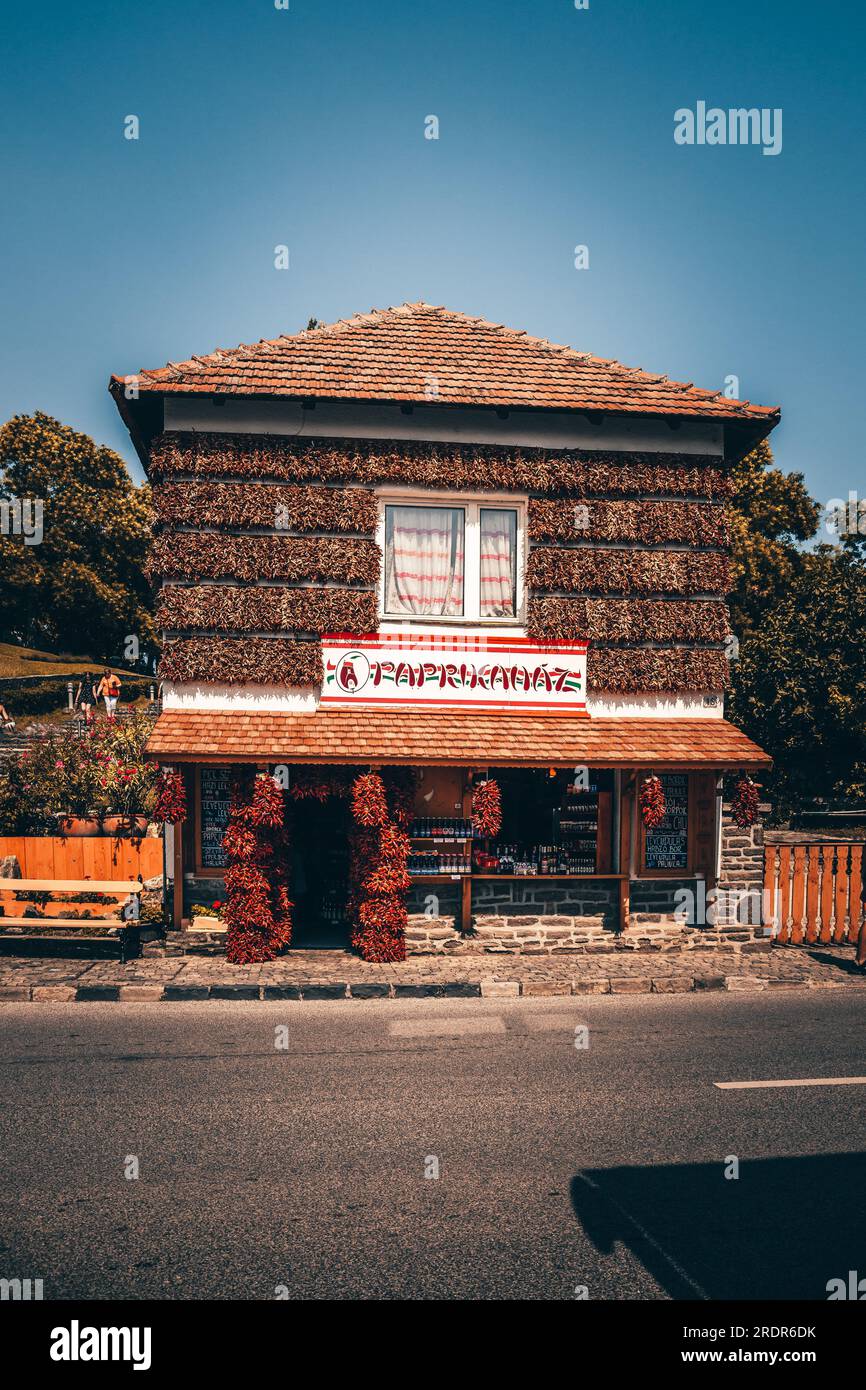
x=485, y=988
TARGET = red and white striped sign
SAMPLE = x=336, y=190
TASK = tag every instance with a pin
x=428, y=671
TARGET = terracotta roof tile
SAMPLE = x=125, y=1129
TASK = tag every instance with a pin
x=404, y=737
x=404, y=353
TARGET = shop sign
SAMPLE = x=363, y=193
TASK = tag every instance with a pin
x=422, y=671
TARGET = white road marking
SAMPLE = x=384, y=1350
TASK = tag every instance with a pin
x=797, y=1081
x=444, y=1028
x=543, y=1022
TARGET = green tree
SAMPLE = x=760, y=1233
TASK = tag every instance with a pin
x=771, y=514
x=82, y=587
x=800, y=683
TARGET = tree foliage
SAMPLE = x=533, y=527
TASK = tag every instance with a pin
x=799, y=685
x=771, y=514
x=83, y=585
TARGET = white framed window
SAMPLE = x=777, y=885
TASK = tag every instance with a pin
x=452, y=558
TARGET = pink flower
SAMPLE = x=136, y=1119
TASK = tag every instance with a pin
x=59, y=762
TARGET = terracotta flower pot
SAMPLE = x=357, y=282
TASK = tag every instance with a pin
x=125, y=826
x=79, y=825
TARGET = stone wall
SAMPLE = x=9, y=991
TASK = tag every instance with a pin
x=654, y=902
x=544, y=917
x=741, y=879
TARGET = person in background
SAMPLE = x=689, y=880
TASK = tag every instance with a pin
x=7, y=723
x=85, y=696
x=109, y=689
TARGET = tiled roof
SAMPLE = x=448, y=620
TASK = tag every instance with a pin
x=367, y=736
x=428, y=354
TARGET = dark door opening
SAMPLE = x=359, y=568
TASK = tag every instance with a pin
x=320, y=873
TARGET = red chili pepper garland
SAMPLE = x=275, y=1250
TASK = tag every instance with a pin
x=744, y=802
x=653, y=807
x=267, y=807
x=402, y=784
x=369, y=802
x=379, y=856
x=486, y=809
x=258, y=907
x=315, y=784
x=170, y=798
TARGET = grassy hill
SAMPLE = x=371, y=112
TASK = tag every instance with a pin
x=26, y=661
x=35, y=683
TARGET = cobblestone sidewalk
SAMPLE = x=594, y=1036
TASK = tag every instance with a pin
x=340, y=975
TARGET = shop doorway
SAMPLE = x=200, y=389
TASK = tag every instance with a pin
x=320, y=873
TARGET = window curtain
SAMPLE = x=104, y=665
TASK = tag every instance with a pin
x=424, y=561
x=498, y=563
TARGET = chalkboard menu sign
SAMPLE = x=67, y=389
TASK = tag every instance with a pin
x=216, y=787
x=667, y=847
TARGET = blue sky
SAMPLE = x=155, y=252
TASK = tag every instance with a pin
x=305, y=127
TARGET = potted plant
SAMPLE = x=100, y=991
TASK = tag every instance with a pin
x=208, y=918
x=75, y=789
x=131, y=795
x=127, y=783
x=83, y=785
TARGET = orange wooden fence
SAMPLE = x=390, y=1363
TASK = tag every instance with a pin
x=96, y=857
x=814, y=892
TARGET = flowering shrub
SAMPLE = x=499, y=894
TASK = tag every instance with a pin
x=100, y=773
x=213, y=910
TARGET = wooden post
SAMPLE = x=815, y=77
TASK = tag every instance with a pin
x=466, y=883
x=627, y=782
x=856, y=931
x=768, y=906
x=177, y=905
x=603, y=833
x=466, y=903
x=624, y=904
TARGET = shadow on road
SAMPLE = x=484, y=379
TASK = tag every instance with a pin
x=780, y=1230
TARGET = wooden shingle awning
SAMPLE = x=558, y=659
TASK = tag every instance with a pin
x=404, y=737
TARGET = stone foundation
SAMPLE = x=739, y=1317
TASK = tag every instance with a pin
x=543, y=917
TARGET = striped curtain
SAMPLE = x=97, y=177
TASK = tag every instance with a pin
x=498, y=562
x=424, y=561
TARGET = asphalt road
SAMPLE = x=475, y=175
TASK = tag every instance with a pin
x=302, y=1168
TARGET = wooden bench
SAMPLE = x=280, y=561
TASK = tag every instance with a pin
x=113, y=927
